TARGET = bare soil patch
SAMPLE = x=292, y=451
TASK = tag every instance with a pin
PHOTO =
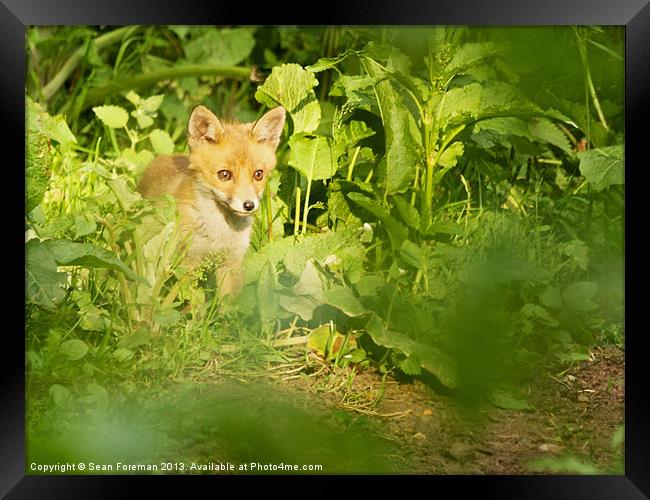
x=573, y=415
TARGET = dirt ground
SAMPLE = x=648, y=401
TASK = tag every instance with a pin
x=574, y=415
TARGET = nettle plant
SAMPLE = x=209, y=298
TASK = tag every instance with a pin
x=428, y=118
x=362, y=192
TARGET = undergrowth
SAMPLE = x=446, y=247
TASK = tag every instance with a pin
x=448, y=203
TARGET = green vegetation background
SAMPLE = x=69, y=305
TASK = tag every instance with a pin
x=448, y=203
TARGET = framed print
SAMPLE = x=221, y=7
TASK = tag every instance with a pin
x=377, y=241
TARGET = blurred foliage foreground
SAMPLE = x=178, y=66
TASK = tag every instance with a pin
x=448, y=204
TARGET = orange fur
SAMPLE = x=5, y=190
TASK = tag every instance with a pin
x=218, y=186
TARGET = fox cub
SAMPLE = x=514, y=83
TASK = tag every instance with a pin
x=218, y=187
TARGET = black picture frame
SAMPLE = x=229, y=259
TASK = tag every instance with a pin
x=15, y=15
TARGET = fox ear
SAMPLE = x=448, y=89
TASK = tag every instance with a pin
x=269, y=128
x=204, y=126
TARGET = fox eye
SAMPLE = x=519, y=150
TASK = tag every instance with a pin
x=258, y=175
x=224, y=175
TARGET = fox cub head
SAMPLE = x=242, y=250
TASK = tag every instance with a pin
x=233, y=160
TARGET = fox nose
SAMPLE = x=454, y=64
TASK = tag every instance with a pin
x=249, y=205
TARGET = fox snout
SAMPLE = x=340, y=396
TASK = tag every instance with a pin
x=244, y=203
x=245, y=207
x=246, y=198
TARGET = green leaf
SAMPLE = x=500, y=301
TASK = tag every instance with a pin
x=290, y=85
x=343, y=299
x=83, y=225
x=337, y=206
x=144, y=120
x=57, y=129
x=491, y=131
x=326, y=341
x=329, y=62
x=52, y=127
x=403, y=138
x=352, y=132
x=431, y=358
x=44, y=284
x=160, y=242
x=408, y=213
x=358, y=90
x=227, y=47
x=576, y=356
x=357, y=355
x=61, y=395
x=302, y=305
x=319, y=339
x=468, y=56
x=161, y=142
x=578, y=296
x=413, y=255
x=70, y=253
x=498, y=98
x=366, y=235
x=539, y=312
x=505, y=125
x=449, y=157
x=445, y=228
x=314, y=157
x=133, y=98
x=577, y=115
x=125, y=195
x=481, y=73
x=310, y=281
x=137, y=338
x=91, y=318
x=475, y=101
x=294, y=253
x=267, y=297
x=329, y=113
x=578, y=250
x=123, y=354
x=152, y=103
x=437, y=289
x=74, y=349
x=389, y=55
x=396, y=231
x=544, y=130
x=551, y=297
x=34, y=360
x=460, y=102
x=135, y=161
x=167, y=317
x=41, y=127
x=145, y=109
x=307, y=293
x=112, y=116
x=411, y=365
x=97, y=394
x=369, y=285
x=603, y=167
